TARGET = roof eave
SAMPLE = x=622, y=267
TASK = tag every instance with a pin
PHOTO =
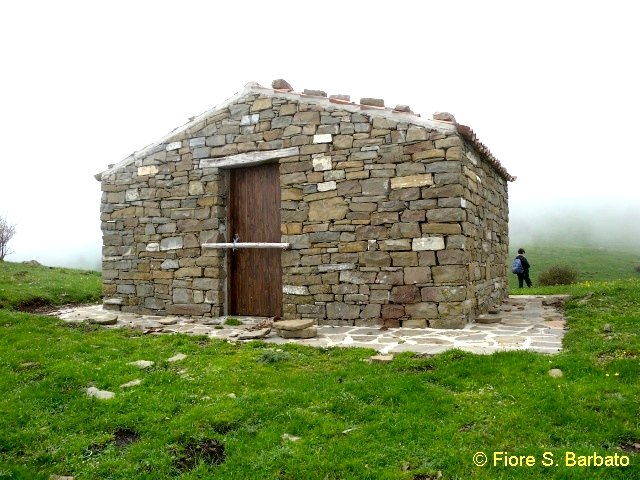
x=468, y=134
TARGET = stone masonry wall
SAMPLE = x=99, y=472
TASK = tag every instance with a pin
x=389, y=220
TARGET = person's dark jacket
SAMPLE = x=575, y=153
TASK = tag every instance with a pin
x=525, y=263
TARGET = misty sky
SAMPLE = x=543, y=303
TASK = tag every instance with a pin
x=550, y=87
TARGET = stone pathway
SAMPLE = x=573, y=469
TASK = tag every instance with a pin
x=523, y=322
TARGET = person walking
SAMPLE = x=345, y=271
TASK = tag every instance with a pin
x=521, y=268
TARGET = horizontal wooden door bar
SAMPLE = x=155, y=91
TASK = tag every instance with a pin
x=283, y=246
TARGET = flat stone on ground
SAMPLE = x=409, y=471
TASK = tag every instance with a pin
x=132, y=383
x=105, y=319
x=294, y=324
x=100, y=394
x=555, y=300
x=554, y=323
x=308, y=332
x=177, y=357
x=142, y=364
x=167, y=321
x=255, y=334
x=381, y=358
x=509, y=340
x=488, y=318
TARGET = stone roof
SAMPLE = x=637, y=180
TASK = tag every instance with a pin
x=441, y=121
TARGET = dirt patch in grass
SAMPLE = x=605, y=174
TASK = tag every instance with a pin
x=37, y=305
x=209, y=451
x=124, y=436
x=424, y=476
x=121, y=438
x=632, y=446
x=28, y=366
x=42, y=306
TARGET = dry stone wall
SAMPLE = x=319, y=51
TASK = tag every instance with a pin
x=390, y=219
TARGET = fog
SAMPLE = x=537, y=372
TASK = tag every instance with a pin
x=614, y=226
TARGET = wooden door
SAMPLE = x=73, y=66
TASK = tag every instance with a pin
x=255, y=275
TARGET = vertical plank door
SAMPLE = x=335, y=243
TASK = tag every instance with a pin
x=255, y=275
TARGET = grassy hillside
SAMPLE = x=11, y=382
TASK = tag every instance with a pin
x=30, y=286
x=592, y=263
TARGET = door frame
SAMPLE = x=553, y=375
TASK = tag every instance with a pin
x=275, y=280
x=239, y=161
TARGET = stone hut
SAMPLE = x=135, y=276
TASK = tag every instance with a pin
x=303, y=205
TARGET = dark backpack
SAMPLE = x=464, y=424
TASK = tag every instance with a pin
x=516, y=266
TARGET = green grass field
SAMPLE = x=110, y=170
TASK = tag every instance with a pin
x=253, y=411
x=25, y=286
x=592, y=264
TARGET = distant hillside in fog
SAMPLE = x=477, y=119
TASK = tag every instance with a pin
x=598, y=225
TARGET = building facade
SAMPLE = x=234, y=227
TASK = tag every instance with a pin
x=299, y=205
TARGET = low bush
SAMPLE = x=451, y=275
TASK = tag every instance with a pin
x=558, y=275
x=273, y=356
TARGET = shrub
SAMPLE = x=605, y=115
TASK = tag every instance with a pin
x=558, y=275
x=232, y=322
x=273, y=356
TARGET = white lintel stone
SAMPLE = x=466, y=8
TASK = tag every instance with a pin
x=427, y=243
x=326, y=186
x=148, y=170
x=174, y=146
x=320, y=164
x=295, y=290
x=322, y=138
x=250, y=158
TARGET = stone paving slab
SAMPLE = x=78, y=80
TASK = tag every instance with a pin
x=525, y=324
